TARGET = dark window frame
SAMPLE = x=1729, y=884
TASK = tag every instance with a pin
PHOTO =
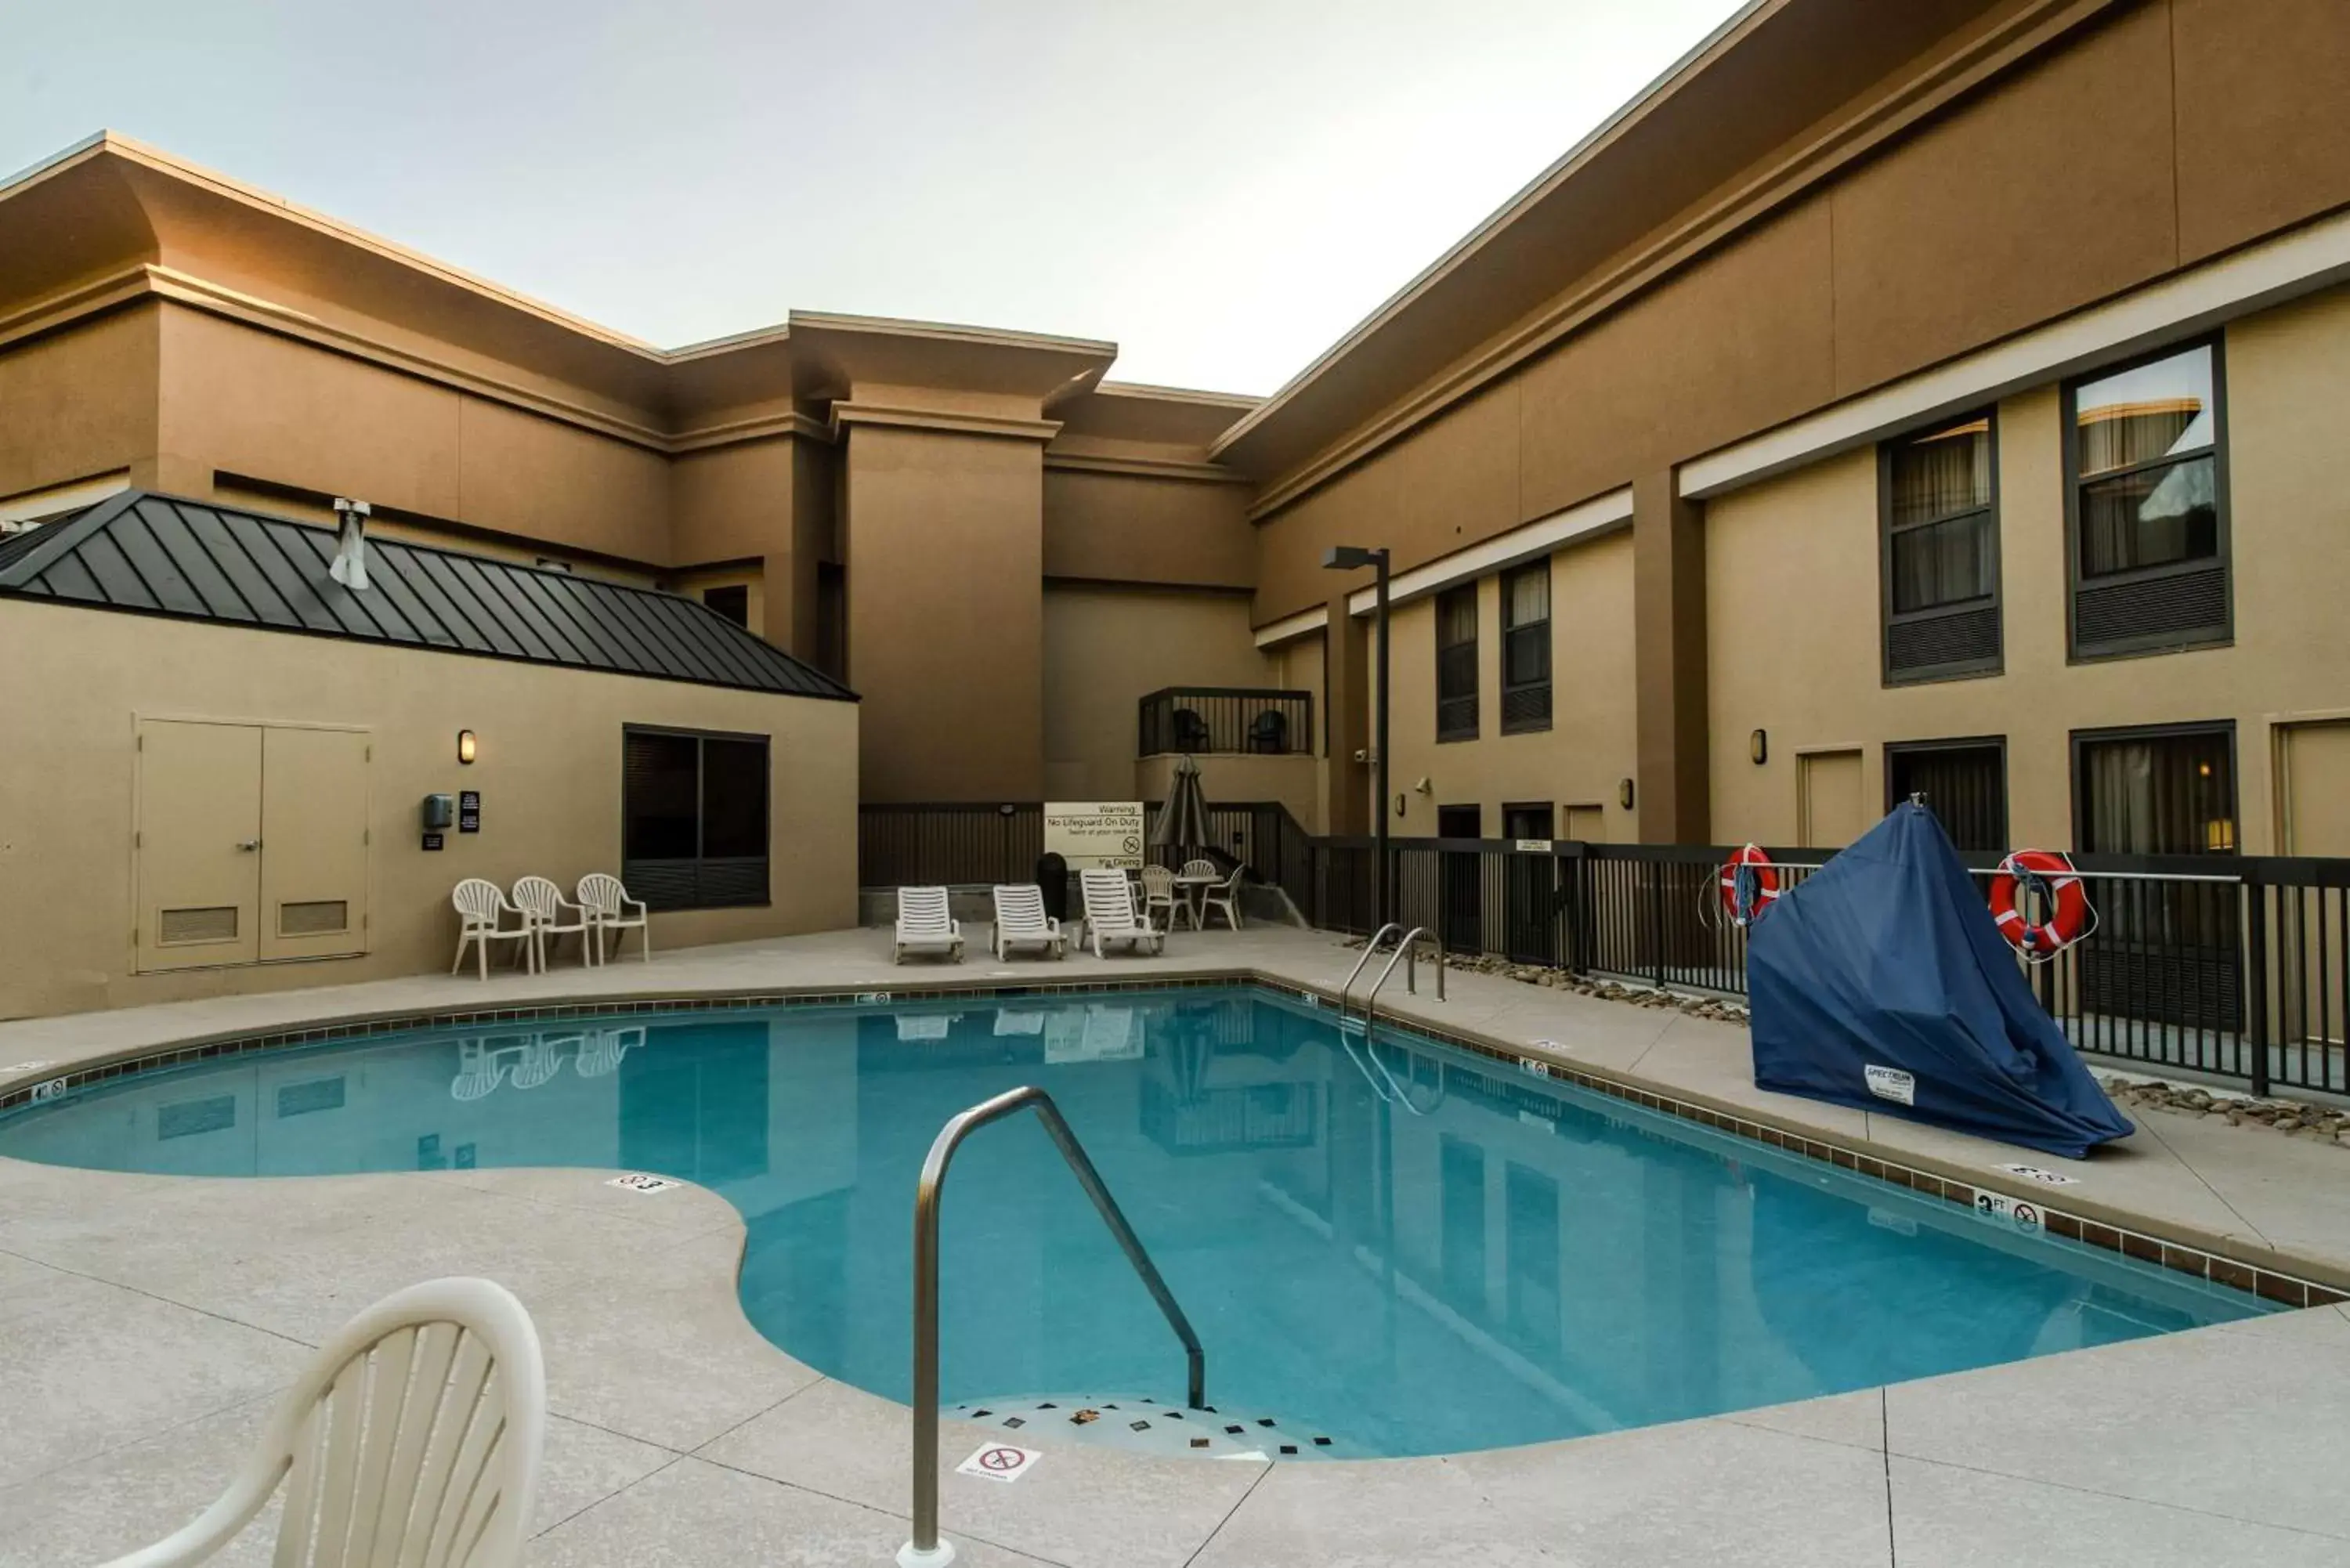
x=1898, y=749
x=1472, y=697
x=1527, y=722
x=2146, y=644
x=1887, y=616
x=766, y=862
x=729, y=601
x=2222, y=727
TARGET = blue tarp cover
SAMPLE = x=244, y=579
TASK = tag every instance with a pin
x=1881, y=982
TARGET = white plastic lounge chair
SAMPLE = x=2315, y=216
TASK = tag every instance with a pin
x=604, y=1049
x=1224, y=895
x=413, y=1438
x=483, y=909
x=616, y=914
x=1159, y=893
x=925, y=926
x=1021, y=922
x=551, y=915
x=1109, y=914
x=479, y=1070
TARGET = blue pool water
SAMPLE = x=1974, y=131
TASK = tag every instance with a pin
x=1422, y=1254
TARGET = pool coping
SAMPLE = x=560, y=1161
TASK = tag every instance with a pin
x=2275, y=1274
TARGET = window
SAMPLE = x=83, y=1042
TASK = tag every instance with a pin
x=2147, y=507
x=1526, y=648
x=1456, y=664
x=1939, y=504
x=2155, y=792
x=732, y=601
x=694, y=814
x=1965, y=784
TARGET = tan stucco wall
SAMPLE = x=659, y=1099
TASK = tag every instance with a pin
x=1589, y=748
x=1793, y=594
x=1118, y=528
x=945, y=614
x=78, y=403
x=549, y=773
x=1105, y=649
x=237, y=400
x=1226, y=779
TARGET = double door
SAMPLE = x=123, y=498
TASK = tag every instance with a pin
x=252, y=842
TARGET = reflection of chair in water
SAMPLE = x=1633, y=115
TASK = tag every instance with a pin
x=1112, y=1033
x=926, y=1025
x=1009, y=1022
x=601, y=1052
x=537, y=1062
x=479, y=1070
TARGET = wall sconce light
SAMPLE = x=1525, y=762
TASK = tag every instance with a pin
x=1402, y=802
x=1758, y=747
x=1623, y=794
x=465, y=747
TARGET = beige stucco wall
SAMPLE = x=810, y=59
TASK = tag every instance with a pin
x=1105, y=649
x=549, y=773
x=1793, y=606
x=78, y=403
x=1590, y=745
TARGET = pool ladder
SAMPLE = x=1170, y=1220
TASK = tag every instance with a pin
x=925, y=1550
x=1408, y=953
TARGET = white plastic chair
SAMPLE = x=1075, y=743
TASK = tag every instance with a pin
x=483, y=909
x=1224, y=895
x=1202, y=868
x=1021, y=922
x=604, y=1049
x=542, y=904
x=413, y=1438
x=1159, y=893
x=1109, y=914
x=925, y=926
x=608, y=904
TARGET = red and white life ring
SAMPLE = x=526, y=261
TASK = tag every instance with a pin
x=2069, y=915
x=1750, y=885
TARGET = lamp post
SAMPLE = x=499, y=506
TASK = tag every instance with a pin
x=1350, y=559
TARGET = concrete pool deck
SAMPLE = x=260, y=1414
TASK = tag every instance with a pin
x=146, y=1323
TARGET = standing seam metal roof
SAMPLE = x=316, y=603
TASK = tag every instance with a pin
x=149, y=554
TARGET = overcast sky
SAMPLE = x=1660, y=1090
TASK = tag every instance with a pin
x=1222, y=189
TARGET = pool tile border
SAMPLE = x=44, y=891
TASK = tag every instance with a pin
x=2217, y=1268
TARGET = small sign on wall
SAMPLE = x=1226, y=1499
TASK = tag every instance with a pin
x=469, y=811
x=433, y=841
x=1094, y=835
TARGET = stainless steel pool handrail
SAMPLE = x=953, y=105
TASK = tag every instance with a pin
x=925, y=1550
x=1404, y=948
x=1370, y=950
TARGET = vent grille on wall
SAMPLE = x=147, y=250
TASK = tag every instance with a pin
x=317, y=917
x=1456, y=719
x=2190, y=606
x=1526, y=708
x=213, y=925
x=1963, y=639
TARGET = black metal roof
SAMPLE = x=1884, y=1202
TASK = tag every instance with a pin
x=158, y=555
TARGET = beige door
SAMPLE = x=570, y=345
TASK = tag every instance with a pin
x=1588, y=824
x=314, y=830
x=2316, y=777
x=198, y=845
x=1828, y=799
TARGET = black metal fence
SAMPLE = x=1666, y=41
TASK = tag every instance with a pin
x=2237, y=966
x=1225, y=718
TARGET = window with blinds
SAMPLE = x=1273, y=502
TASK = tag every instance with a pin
x=1526, y=648
x=2147, y=506
x=694, y=816
x=1941, y=527
x=1963, y=783
x=1456, y=664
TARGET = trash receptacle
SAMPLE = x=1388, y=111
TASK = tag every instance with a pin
x=1053, y=876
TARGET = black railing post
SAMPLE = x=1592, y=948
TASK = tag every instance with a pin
x=2256, y=1012
x=1657, y=924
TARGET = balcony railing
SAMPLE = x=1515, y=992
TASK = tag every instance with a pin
x=1238, y=719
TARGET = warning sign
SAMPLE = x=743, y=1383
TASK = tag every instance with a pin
x=641, y=1181
x=1095, y=835
x=999, y=1462
x=2022, y=1215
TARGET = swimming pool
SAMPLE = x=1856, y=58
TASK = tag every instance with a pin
x=1418, y=1253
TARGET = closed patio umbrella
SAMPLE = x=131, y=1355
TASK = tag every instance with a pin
x=1183, y=822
